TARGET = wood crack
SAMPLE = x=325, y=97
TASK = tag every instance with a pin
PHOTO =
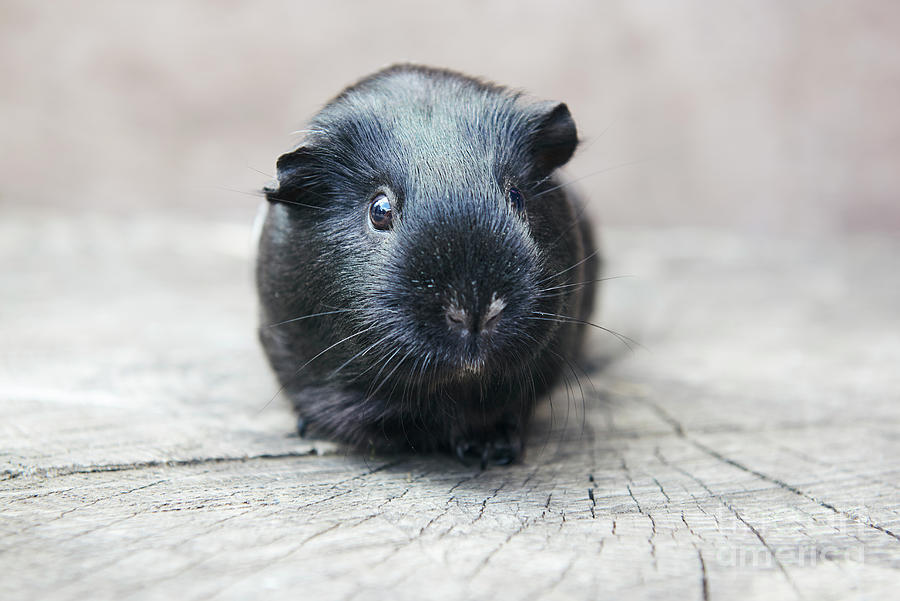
x=704, y=580
x=55, y=472
x=737, y=515
x=679, y=430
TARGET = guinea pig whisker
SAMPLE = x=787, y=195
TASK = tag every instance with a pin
x=397, y=382
x=300, y=369
x=566, y=387
x=567, y=289
x=549, y=394
x=547, y=438
x=559, y=273
x=429, y=360
x=391, y=373
x=572, y=365
x=358, y=355
x=420, y=380
x=622, y=338
x=261, y=172
x=591, y=174
x=569, y=319
x=294, y=202
x=405, y=399
x=267, y=193
x=543, y=180
x=586, y=144
x=253, y=193
x=374, y=364
x=341, y=341
x=384, y=360
x=612, y=277
x=553, y=295
x=586, y=374
x=281, y=323
x=577, y=381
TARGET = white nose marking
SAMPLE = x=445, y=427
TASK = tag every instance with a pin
x=493, y=312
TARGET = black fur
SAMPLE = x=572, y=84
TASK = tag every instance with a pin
x=386, y=366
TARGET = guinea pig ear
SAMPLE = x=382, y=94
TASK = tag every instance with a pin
x=293, y=171
x=555, y=136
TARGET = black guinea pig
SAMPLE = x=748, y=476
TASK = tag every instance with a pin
x=423, y=279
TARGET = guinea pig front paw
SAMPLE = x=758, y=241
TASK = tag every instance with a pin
x=503, y=449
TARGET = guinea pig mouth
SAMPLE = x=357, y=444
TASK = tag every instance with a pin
x=465, y=359
x=473, y=367
x=476, y=356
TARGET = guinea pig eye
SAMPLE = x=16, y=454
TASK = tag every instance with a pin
x=516, y=199
x=381, y=212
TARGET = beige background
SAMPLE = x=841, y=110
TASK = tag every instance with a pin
x=761, y=116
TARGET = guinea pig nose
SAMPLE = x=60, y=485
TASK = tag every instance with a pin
x=492, y=314
x=459, y=320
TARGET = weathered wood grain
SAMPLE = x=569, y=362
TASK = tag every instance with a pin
x=750, y=452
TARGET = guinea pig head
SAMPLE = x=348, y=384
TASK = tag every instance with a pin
x=434, y=227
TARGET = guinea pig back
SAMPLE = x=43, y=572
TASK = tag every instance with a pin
x=423, y=279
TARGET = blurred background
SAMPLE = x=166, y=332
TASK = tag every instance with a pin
x=761, y=116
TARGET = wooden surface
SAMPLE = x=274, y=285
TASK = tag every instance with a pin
x=750, y=452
